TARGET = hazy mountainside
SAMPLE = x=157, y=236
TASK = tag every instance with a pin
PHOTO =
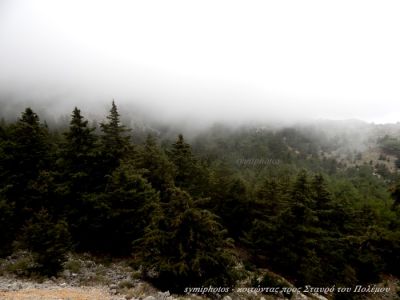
x=316, y=203
x=341, y=144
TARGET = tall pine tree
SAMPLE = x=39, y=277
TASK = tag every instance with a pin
x=185, y=246
x=79, y=154
x=154, y=163
x=190, y=175
x=26, y=153
x=115, y=140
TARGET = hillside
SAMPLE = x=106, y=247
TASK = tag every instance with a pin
x=307, y=205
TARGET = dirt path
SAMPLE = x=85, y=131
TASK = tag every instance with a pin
x=68, y=293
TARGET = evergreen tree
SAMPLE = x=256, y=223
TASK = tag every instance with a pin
x=7, y=205
x=132, y=202
x=115, y=140
x=302, y=219
x=185, y=246
x=270, y=198
x=295, y=235
x=271, y=202
x=79, y=170
x=109, y=221
x=79, y=156
x=325, y=208
x=48, y=240
x=235, y=207
x=80, y=142
x=7, y=226
x=26, y=152
x=29, y=148
x=157, y=169
x=190, y=175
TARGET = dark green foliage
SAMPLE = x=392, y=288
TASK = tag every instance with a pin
x=234, y=206
x=109, y=221
x=390, y=145
x=154, y=163
x=190, y=175
x=132, y=203
x=7, y=226
x=307, y=217
x=48, y=240
x=78, y=153
x=185, y=246
x=309, y=236
x=115, y=140
x=25, y=153
x=298, y=227
x=79, y=171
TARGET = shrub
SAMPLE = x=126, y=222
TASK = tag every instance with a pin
x=48, y=242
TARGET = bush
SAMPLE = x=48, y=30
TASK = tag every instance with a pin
x=6, y=227
x=20, y=263
x=47, y=240
x=272, y=280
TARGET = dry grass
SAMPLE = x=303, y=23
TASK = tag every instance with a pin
x=56, y=294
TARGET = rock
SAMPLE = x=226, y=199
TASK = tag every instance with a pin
x=150, y=298
x=66, y=273
x=113, y=286
x=299, y=296
x=113, y=291
x=15, y=286
x=163, y=296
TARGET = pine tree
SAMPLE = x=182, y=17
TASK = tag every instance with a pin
x=80, y=139
x=7, y=205
x=326, y=210
x=27, y=152
x=302, y=219
x=31, y=150
x=79, y=155
x=157, y=169
x=270, y=198
x=190, y=175
x=271, y=202
x=185, y=246
x=235, y=207
x=184, y=161
x=48, y=240
x=79, y=171
x=7, y=225
x=115, y=139
x=132, y=202
x=292, y=244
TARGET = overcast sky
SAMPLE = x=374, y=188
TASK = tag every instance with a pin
x=210, y=60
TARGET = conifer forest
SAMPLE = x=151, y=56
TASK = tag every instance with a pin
x=199, y=150
x=200, y=212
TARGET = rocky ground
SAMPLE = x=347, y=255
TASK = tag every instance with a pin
x=85, y=278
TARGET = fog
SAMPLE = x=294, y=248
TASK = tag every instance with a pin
x=203, y=61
